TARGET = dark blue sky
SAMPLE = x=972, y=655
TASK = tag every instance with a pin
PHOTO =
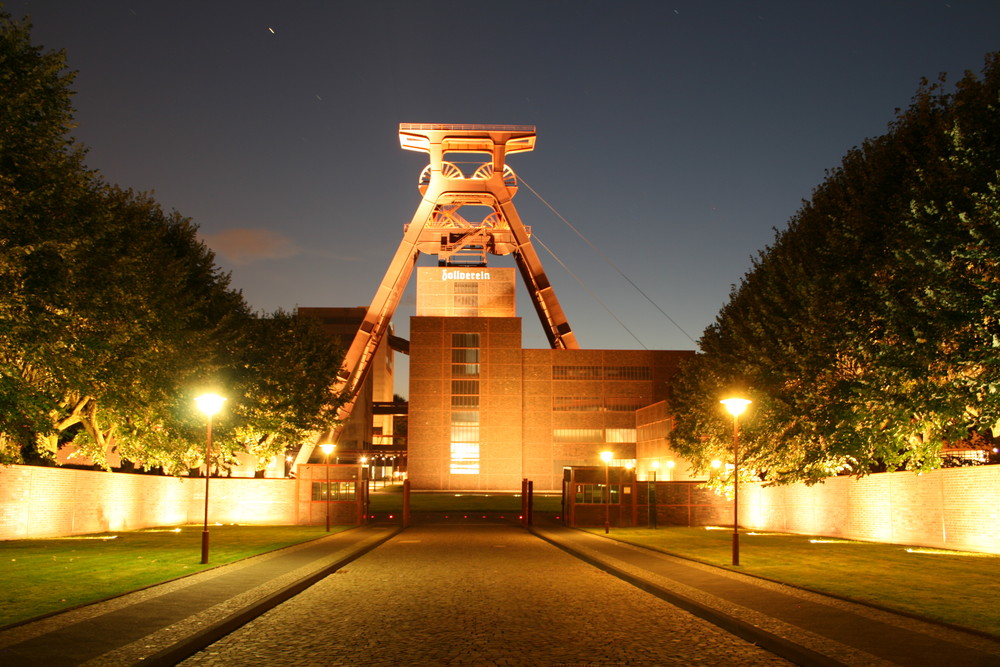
x=674, y=136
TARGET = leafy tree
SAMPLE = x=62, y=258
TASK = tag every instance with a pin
x=866, y=333
x=43, y=183
x=113, y=314
x=286, y=364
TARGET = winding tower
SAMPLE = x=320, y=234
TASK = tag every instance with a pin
x=450, y=188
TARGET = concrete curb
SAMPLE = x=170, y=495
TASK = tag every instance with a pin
x=192, y=644
x=780, y=646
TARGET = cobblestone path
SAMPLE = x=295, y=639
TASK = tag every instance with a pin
x=477, y=595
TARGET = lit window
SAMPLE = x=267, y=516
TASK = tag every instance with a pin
x=460, y=387
x=465, y=355
x=465, y=370
x=465, y=340
x=465, y=433
x=465, y=401
x=578, y=435
x=619, y=435
x=464, y=458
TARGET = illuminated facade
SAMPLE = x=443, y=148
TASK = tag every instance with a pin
x=448, y=190
x=483, y=412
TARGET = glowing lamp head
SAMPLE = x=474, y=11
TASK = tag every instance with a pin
x=328, y=448
x=607, y=456
x=210, y=404
x=671, y=464
x=736, y=406
x=656, y=465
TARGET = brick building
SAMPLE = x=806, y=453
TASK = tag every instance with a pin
x=484, y=413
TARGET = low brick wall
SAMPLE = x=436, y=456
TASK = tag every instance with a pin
x=953, y=508
x=48, y=502
x=686, y=504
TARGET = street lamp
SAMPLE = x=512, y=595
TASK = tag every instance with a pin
x=363, y=489
x=209, y=404
x=327, y=450
x=736, y=406
x=652, y=505
x=606, y=457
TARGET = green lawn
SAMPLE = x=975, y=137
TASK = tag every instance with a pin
x=950, y=586
x=41, y=576
x=45, y=575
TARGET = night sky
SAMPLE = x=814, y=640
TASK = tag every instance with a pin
x=673, y=137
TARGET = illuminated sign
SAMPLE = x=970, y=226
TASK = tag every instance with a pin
x=464, y=275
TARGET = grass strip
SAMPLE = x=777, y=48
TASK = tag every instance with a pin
x=41, y=576
x=955, y=587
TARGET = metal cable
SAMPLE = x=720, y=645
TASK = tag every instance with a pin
x=534, y=237
x=606, y=259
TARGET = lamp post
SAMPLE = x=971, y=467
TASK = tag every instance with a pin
x=327, y=450
x=736, y=406
x=606, y=457
x=209, y=404
x=652, y=504
x=363, y=489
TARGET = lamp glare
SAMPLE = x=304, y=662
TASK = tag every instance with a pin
x=210, y=404
x=736, y=406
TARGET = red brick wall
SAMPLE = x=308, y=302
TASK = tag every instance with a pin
x=954, y=508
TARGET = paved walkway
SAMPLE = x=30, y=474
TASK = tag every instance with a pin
x=806, y=628
x=164, y=624
x=477, y=594
x=481, y=594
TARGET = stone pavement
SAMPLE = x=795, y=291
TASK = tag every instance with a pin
x=481, y=593
x=477, y=594
x=806, y=628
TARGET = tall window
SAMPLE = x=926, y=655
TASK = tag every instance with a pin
x=465, y=351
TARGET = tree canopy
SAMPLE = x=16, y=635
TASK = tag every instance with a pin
x=867, y=334
x=113, y=314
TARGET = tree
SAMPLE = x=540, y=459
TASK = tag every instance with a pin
x=286, y=365
x=42, y=184
x=113, y=313
x=866, y=333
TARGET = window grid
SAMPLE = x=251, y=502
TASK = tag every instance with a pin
x=602, y=373
x=339, y=491
x=594, y=494
x=465, y=394
x=595, y=404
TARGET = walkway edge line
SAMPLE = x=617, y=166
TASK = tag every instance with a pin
x=190, y=645
x=784, y=648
